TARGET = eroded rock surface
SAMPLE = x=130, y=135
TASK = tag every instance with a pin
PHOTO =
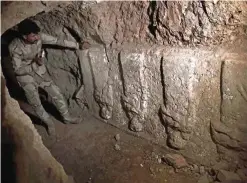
x=159, y=69
x=32, y=162
x=230, y=132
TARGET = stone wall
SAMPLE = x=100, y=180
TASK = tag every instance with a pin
x=23, y=151
x=171, y=72
x=24, y=156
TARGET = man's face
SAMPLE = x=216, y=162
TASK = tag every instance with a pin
x=32, y=38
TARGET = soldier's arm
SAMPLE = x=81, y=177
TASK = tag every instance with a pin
x=18, y=69
x=48, y=39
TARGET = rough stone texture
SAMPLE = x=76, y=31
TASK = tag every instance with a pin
x=227, y=176
x=33, y=161
x=163, y=22
x=145, y=95
x=220, y=165
x=195, y=22
x=242, y=174
x=143, y=72
x=14, y=12
x=231, y=132
x=185, y=72
x=175, y=160
x=141, y=87
x=204, y=179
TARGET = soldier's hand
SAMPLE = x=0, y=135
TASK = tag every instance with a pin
x=38, y=60
x=84, y=45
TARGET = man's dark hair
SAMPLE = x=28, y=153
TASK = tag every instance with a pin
x=27, y=26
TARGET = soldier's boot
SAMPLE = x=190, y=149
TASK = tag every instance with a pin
x=50, y=127
x=67, y=118
x=60, y=103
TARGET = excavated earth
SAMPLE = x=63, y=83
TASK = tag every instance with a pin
x=173, y=74
x=87, y=152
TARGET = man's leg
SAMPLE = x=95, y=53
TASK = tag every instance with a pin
x=59, y=101
x=32, y=95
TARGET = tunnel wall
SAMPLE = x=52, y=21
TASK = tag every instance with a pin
x=171, y=72
x=25, y=158
x=23, y=154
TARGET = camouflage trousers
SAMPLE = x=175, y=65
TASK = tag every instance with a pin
x=32, y=95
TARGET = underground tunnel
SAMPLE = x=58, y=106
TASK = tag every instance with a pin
x=160, y=94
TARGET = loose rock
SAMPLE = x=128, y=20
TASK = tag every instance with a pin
x=220, y=166
x=160, y=170
x=201, y=170
x=203, y=179
x=242, y=174
x=171, y=171
x=117, y=137
x=117, y=147
x=175, y=160
x=136, y=125
x=224, y=175
x=159, y=160
x=153, y=155
x=195, y=168
x=152, y=170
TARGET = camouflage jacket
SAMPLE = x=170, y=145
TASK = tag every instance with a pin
x=22, y=55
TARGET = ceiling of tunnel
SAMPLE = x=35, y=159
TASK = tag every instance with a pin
x=14, y=12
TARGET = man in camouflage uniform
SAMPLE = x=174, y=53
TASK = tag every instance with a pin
x=26, y=53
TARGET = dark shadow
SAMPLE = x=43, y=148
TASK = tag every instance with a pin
x=56, y=47
x=46, y=103
x=162, y=81
x=150, y=11
x=3, y=98
x=8, y=149
x=7, y=66
x=49, y=107
x=8, y=170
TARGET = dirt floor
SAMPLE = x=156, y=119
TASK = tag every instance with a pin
x=89, y=153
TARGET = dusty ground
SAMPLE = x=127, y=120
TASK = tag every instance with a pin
x=87, y=151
